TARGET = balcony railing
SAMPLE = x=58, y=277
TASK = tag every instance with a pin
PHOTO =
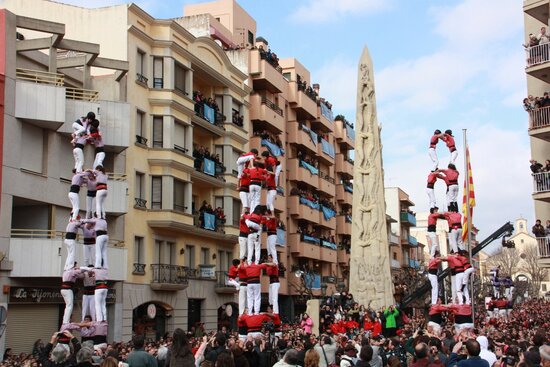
x=221, y=280
x=539, y=118
x=139, y=269
x=325, y=176
x=408, y=218
x=141, y=78
x=171, y=274
x=543, y=247
x=41, y=77
x=264, y=56
x=141, y=140
x=307, y=91
x=541, y=182
x=180, y=149
x=538, y=54
x=140, y=203
x=51, y=234
x=82, y=94
x=272, y=106
x=412, y=241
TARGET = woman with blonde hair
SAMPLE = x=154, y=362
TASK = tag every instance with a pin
x=311, y=359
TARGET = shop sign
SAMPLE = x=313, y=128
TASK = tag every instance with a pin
x=46, y=295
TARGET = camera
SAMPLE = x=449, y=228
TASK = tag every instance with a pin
x=268, y=326
x=510, y=361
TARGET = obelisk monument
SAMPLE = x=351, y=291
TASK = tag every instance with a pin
x=370, y=277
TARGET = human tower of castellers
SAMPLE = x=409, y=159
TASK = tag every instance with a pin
x=457, y=259
x=93, y=272
x=254, y=173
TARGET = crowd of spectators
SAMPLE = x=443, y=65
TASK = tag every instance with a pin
x=200, y=153
x=269, y=56
x=343, y=118
x=269, y=136
x=537, y=54
x=201, y=101
x=533, y=103
x=307, y=89
x=218, y=213
x=326, y=103
x=237, y=118
x=306, y=194
x=305, y=157
x=349, y=335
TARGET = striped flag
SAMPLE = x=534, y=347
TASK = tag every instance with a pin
x=468, y=195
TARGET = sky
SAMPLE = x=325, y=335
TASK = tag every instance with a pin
x=438, y=65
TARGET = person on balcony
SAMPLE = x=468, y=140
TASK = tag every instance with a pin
x=538, y=229
x=431, y=152
x=450, y=176
x=449, y=140
x=78, y=180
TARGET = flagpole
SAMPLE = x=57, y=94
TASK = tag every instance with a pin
x=469, y=222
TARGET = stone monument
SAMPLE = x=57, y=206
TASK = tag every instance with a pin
x=370, y=277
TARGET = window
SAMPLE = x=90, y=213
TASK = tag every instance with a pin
x=139, y=194
x=140, y=128
x=140, y=66
x=179, y=78
x=138, y=250
x=158, y=71
x=33, y=144
x=190, y=256
x=287, y=76
x=165, y=252
x=157, y=132
x=179, y=196
x=250, y=38
x=236, y=212
x=156, y=192
x=205, y=256
x=179, y=138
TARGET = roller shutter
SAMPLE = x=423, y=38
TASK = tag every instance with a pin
x=27, y=323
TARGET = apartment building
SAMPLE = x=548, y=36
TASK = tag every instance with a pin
x=537, y=67
x=182, y=92
x=46, y=85
x=288, y=115
x=405, y=249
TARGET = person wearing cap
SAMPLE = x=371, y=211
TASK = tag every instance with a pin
x=450, y=176
x=431, y=152
x=449, y=140
x=349, y=358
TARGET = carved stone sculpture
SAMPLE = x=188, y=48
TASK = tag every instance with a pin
x=370, y=277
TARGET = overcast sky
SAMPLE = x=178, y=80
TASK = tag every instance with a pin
x=454, y=66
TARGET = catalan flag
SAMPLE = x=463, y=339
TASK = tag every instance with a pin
x=468, y=195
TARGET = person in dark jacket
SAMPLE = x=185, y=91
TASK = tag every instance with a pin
x=180, y=354
x=238, y=356
x=365, y=356
x=219, y=346
x=472, y=349
x=61, y=355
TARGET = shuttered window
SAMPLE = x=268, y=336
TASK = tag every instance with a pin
x=179, y=78
x=179, y=137
x=179, y=196
x=156, y=192
x=158, y=71
x=23, y=328
x=157, y=132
